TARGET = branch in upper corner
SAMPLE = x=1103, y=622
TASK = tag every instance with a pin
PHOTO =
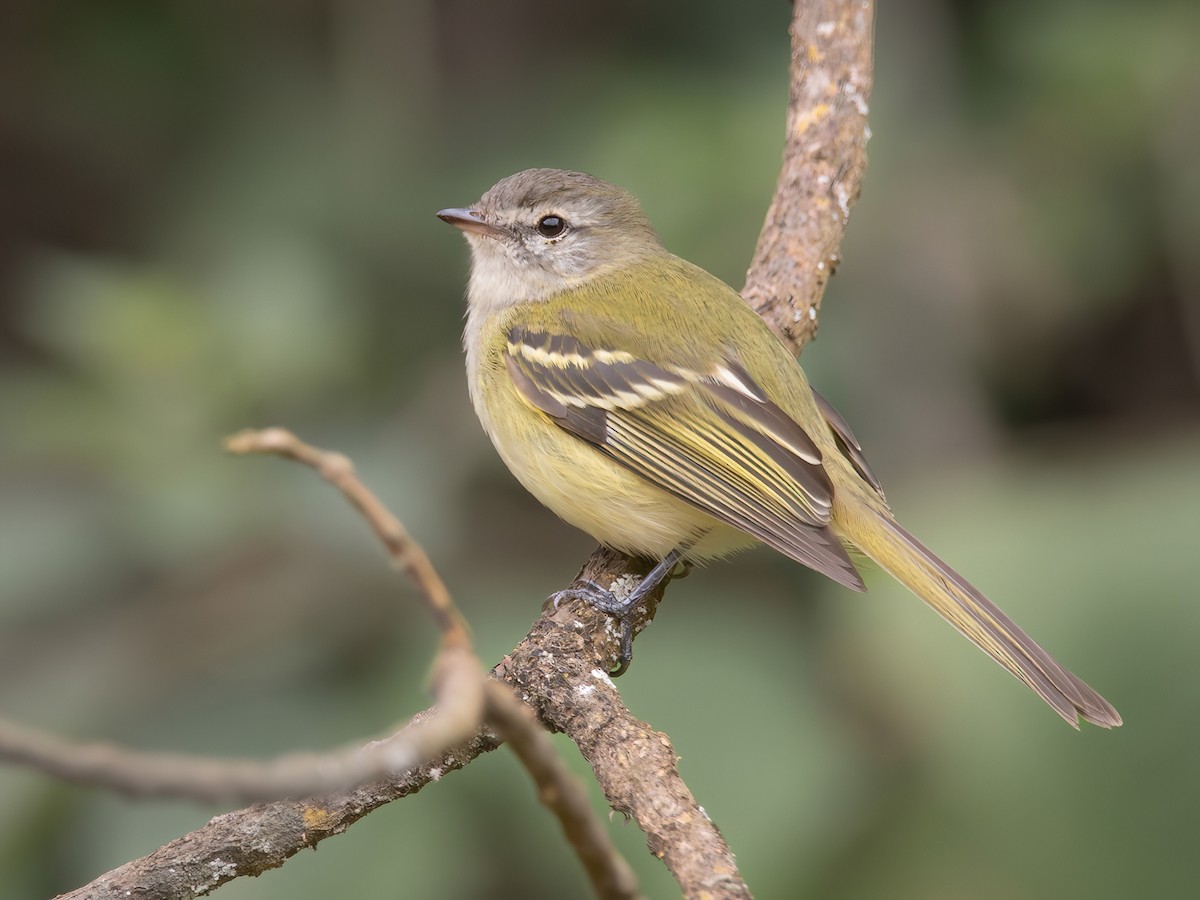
x=824, y=159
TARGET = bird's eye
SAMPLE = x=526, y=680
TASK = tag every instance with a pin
x=551, y=226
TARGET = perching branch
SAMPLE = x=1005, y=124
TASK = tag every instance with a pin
x=561, y=793
x=459, y=699
x=560, y=668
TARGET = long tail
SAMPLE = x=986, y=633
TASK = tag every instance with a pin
x=916, y=567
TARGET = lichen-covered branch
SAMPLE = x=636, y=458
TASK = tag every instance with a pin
x=562, y=793
x=824, y=159
x=262, y=837
x=560, y=670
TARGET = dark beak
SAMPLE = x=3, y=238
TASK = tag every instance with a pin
x=468, y=220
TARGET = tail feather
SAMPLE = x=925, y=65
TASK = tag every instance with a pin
x=916, y=567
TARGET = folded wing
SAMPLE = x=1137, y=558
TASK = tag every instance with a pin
x=711, y=438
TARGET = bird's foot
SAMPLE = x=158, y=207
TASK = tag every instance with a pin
x=624, y=610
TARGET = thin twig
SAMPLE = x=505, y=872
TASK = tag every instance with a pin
x=458, y=691
x=406, y=554
x=458, y=681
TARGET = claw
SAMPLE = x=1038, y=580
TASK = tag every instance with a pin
x=623, y=610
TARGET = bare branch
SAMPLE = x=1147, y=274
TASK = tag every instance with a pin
x=560, y=670
x=217, y=853
x=562, y=794
x=259, y=838
x=824, y=160
x=565, y=654
x=458, y=690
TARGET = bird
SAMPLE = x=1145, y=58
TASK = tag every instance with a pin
x=643, y=401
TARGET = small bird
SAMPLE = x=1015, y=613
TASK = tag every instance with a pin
x=643, y=401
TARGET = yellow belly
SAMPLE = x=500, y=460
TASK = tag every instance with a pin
x=586, y=489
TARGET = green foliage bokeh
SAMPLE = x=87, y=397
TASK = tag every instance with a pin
x=219, y=215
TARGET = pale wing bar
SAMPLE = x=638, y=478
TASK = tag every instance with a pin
x=738, y=456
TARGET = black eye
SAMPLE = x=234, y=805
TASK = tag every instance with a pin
x=551, y=226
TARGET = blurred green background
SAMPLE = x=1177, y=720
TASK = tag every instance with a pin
x=220, y=214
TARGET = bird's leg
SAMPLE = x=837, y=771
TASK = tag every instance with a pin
x=682, y=570
x=624, y=610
